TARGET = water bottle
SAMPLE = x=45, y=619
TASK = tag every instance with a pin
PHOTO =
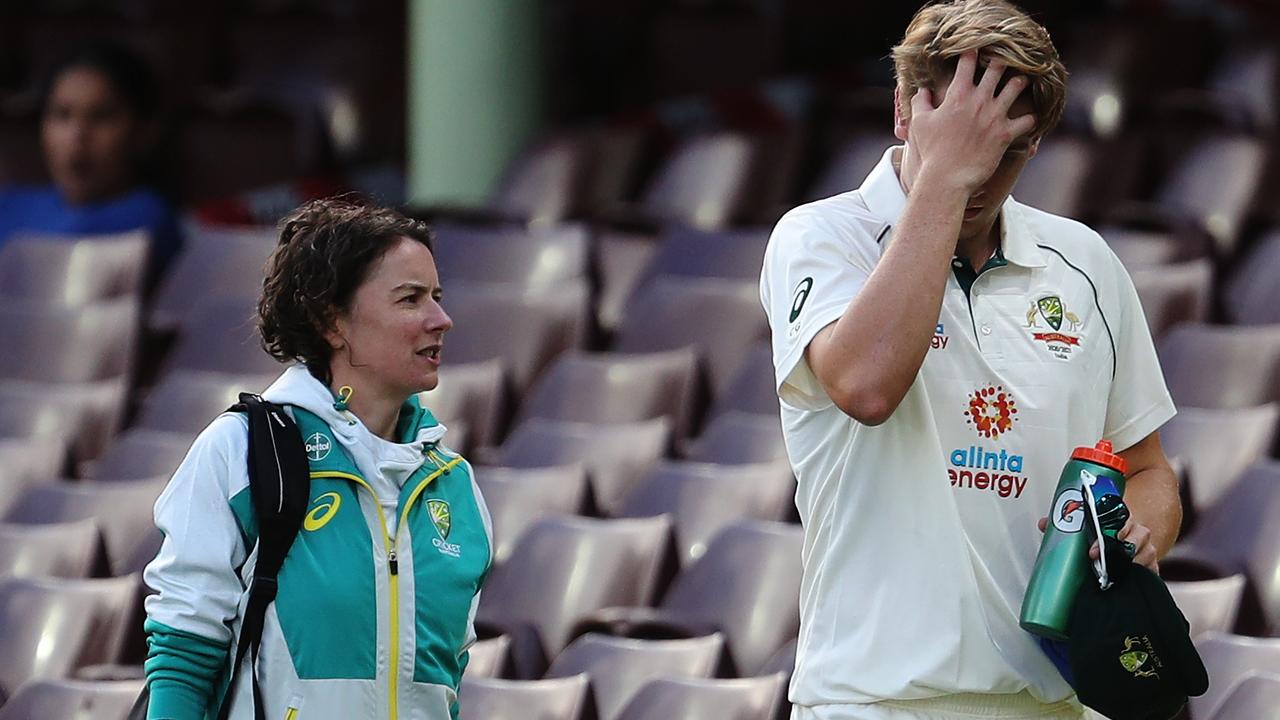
x=1062, y=563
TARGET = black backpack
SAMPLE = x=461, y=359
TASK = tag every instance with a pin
x=280, y=484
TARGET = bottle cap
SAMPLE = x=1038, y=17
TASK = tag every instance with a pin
x=1101, y=454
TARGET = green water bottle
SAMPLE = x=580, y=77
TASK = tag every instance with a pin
x=1063, y=561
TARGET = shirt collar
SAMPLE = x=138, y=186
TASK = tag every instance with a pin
x=883, y=194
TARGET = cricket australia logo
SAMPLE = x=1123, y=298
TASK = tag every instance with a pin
x=443, y=521
x=318, y=446
x=991, y=411
x=1139, y=658
x=1053, y=312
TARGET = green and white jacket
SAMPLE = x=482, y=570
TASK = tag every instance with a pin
x=377, y=596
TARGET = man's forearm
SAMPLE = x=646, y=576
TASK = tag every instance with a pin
x=1152, y=497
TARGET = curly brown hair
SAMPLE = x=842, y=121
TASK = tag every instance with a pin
x=326, y=250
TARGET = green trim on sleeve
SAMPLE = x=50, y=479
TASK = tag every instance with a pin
x=182, y=669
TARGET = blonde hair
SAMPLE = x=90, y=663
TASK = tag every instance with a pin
x=940, y=33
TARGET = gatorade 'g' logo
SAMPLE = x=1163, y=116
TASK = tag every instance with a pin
x=1068, y=511
x=802, y=296
x=322, y=513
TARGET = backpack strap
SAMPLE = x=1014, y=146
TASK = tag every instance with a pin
x=280, y=485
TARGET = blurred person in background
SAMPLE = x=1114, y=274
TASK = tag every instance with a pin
x=940, y=349
x=377, y=596
x=98, y=109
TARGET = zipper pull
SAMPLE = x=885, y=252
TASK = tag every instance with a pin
x=394, y=562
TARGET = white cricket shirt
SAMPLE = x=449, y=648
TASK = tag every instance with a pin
x=920, y=533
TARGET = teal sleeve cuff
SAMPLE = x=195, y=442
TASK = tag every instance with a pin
x=182, y=670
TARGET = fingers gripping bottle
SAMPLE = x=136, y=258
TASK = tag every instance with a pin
x=1063, y=561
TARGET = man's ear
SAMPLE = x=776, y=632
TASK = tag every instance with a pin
x=1031, y=150
x=901, y=120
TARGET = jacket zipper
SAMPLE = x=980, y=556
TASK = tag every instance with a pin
x=393, y=565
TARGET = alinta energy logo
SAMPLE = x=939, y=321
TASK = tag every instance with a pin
x=992, y=412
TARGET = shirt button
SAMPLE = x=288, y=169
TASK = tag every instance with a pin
x=957, y=264
x=986, y=329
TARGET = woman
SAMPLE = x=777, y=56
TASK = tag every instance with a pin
x=377, y=596
x=98, y=107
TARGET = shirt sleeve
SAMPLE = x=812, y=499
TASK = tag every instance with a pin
x=1138, y=402
x=811, y=274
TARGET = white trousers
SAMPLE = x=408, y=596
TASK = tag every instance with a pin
x=1021, y=706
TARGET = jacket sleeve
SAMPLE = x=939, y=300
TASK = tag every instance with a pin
x=205, y=517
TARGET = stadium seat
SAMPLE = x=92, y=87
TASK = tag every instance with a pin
x=221, y=335
x=1255, y=697
x=69, y=550
x=1229, y=658
x=187, y=401
x=851, y=164
x=1238, y=534
x=564, y=569
x=68, y=345
x=783, y=661
x=614, y=388
x=487, y=658
x=622, y=259
x=702, y=183
x=720, y=319
x=214, y=262
x=73, y=270
x=680, y=698
x=1196, y=436
x=471, y=393
x=1140, y=248
x=51, y=626
x=36, y=431
x=733, y=254
x=1056, y=178
x=1209, y=605
x=620, y=667
x=73, y=700
x=1214, y=184
x=532, y=258
x=525, y=328
x=122, y=509
x=752, y=388
x=705, y=498
x=1252, y=296
x=615, y=455
x=519, y=497
x=139, y=454
x=746, y=586
x=1172, y=294
x=1215, y=366
x=89, y=414
x=563, y=698
x=737, y=437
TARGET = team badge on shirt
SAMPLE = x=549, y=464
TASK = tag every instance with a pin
x=442, y=518
x=1054, y=313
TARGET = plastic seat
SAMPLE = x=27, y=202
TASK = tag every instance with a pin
x=703, y=183
x=1229, y=659
x=221, y=335
x=68, y=550
x=564, y=569
x=1252, y=296
x=551, y=699
x=720, y=319
x=1256, y=697
x=736, y=437
x=614, y=388
x=471, y=393
x=487, y=658
x=614, y=455
x=1144, y=248
x=733, y=254
x=214, y=262
x=1174, y=294
x=622, y=261
x=543, y=185
x=671, y=698
x=140, y=454
x=746, y=586
x=540, y=257
x=519, y=497
x=705, y=498
x=851, y=164
x=73, y=271
x=36, y=432
x=1238, y=534
x=1215, y=183
x=73, y=700
x=524, y=328
x=1209, y=605
x=1055, y=179
x=68, y=345
x=1196, y=436
x=89, y=413
x=620, y=667
x=187, y=401
x=51, y=626
x=752, y=388
x=122, y=509
x=783, y=661
x=1214, y=366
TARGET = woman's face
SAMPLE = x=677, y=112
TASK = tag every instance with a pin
x=89, y=136
x=390, y=341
